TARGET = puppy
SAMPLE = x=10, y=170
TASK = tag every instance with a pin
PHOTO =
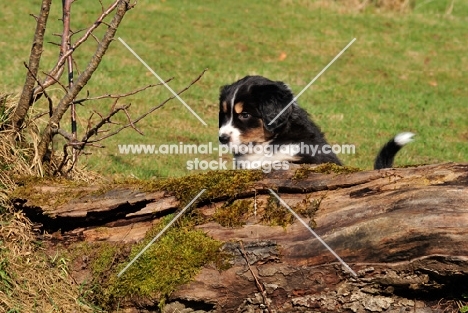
x=251, y=124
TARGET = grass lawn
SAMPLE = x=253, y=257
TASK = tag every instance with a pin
x=404, y=72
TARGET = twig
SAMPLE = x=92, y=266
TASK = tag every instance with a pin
x=121, y=6
x=65, y=47
x=34, y=16
x=102, y=5
x=150, y=111
x=110, y=96
x=104, y=120
x=39, y=115
x=53, y=43
x=65, y=134
x=89, y=124
x=130, y=122
x=56, y=81
x=58, y=68
x=257, y=282
x=94, y=130
x=49, y=100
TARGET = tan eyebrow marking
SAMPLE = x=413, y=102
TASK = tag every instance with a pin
x=239, y=107
x=225, y=108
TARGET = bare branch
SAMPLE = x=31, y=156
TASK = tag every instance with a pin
x=84, y=29
x=89, y=122
x=95, y=145
x=38, y=115
x=65, y=134
x=58, y=68
x=102, y=5
x=95, y=38
x=121, y=8
x=149, y=112
x=73, y=33
x=110, y=96
x=75, y=65
x=130, y=122
x=104, y=120
x=78, y=146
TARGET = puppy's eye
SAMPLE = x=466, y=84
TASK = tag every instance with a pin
x=244, y=115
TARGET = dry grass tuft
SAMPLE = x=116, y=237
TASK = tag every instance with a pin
x=30, y=279
x=14, y=158
x=17, y=151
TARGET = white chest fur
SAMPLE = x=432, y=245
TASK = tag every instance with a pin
x=259, y=155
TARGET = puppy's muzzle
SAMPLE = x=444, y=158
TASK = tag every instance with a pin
x=224, y=138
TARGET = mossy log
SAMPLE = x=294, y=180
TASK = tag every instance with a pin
x=403, y=231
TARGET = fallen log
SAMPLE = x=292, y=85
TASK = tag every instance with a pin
x=403, y=232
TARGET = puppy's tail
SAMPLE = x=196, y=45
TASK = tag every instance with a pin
x=390, y=149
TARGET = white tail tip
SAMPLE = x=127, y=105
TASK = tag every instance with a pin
x=403, y=138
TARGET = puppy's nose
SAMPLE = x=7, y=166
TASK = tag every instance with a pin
x=224, y=139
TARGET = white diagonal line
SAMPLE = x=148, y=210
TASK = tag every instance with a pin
x=160, y=233
x=162, y=81
x=315, y=234
x=313, y=80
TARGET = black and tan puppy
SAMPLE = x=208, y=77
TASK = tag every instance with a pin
x=261, y=123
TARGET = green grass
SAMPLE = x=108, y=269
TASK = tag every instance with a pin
x=405, y=72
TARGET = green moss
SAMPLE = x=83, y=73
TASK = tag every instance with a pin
x=65, y=191
x=101, y=259
x=171, y=261
x=218, y=184
x=234, y=214
x=104, y=259
x=326, y=168
x=275, y=214
x=308, y=207
x=174, y=259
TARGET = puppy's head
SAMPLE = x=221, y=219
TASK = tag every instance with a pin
x=249, y=108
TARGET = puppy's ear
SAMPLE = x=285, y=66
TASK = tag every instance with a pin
x=272, y=99
x=223, y=91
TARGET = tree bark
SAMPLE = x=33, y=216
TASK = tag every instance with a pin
x=403, y=231
x=26, y=100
